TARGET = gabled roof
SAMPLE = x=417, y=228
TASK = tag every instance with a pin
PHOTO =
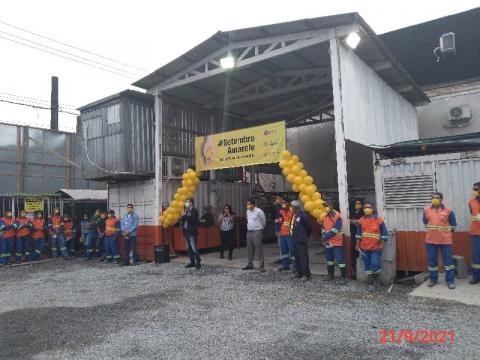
x=371, y=50
x=413, y=47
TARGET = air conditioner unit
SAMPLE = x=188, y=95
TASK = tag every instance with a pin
x=447, y=43
x=173, y=167
x=460, y=113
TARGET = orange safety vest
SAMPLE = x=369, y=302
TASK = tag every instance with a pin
x=439, y=230
x=328, y=223
x=37, y=225
x=475, y=223
x=285, y=220
x=371, y=235
x=56, y=221
x=9, y=233
x=111, y=226
x=68, y=229
x=24, y=231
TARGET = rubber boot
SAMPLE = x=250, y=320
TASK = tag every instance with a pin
x=343, y=272
x=331, y=273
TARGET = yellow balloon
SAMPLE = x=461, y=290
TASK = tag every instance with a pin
x=309, y=206
x=290, y=163
x=310, y=190
x=192, y=188
x=196, y=180
x=318, y=203
x=316, y=213
x=295, y=188
x=161, y=218
x=183, y=190
x=291, y=178
x=189, y=171
x=298, y=180
x=300, y=165
x=305, y=198
x=282, y=163
x=316, y=196
x=308, y=180
x=302, y=188
x=175, y=197
x=182, y=198
x=296, y=170
x=286, y=155
x=295, y=159
x=287, y=171
x=303, y=173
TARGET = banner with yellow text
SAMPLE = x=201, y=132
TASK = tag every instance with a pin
x=255, y=145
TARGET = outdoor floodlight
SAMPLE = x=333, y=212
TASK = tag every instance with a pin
x=352, y=40
x=227, y=62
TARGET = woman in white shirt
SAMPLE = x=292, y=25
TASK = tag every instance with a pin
x=226, y=220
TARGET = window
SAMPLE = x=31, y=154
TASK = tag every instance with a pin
x=408, y=191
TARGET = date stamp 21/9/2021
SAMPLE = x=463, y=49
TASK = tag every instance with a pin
x=418, y=336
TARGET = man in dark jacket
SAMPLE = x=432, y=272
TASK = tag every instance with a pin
x=301, y=231
x=190, y=231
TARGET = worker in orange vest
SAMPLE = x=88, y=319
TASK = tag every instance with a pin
x=332, y=235
x=287, y=247
x=112, y=232
x=23, y=242
x=474, y=205
x=68, y=234
x=55, y=225
x=371, y=233
x=38, y=235
x=440, y=222
x=8, y=227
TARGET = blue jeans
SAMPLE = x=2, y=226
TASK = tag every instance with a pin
x=91, y=243
x=446, y=251
x=335, y=253
x=23, y=247
x=58, y=241
x=6, y=245
x=192, y=249
x=70, y=245
x=130, y=245
x=287, y=248
x=372, y=261
x=475, y=256
x=38, y=245
x=111, y=248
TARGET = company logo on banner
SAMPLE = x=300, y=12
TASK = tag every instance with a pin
x=256, y=145
x=33, y=204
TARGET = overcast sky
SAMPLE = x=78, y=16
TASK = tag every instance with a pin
x=148, y=34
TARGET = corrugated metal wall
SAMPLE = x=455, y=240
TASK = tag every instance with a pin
x=119, y=135
x=451, y=174
x=373, y=112
x=141, y=194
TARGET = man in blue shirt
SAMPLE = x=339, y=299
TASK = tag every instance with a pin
x=129, y=227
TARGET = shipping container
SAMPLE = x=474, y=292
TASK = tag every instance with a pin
x=404, y=187
x=118, y=133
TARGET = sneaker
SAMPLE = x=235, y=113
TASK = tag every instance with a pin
x=343, y=281
x=431, y=283
x=191, y=265
x=474, y=281
x=248, y=267
x=283, y=268
x=263, y=270
x=304, y=278
x=198, y=266
x=451, y=285
x=125, y=263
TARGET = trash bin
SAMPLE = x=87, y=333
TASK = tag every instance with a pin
x=162, y=254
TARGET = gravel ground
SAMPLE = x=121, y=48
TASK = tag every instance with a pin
x=78, y=310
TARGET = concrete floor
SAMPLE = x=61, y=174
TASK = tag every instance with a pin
x=464, y=293
x=316, y=252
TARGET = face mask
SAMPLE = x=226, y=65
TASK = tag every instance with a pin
x=368, y=211
x=249, y=207
x=57, y=211
x=110, y=216
x=476, y=193
x=284, y=206
x=358, y=206
x=39, y=216
x=9, y=215
x=187, y=204
x=436, y=202
x=327, y=209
